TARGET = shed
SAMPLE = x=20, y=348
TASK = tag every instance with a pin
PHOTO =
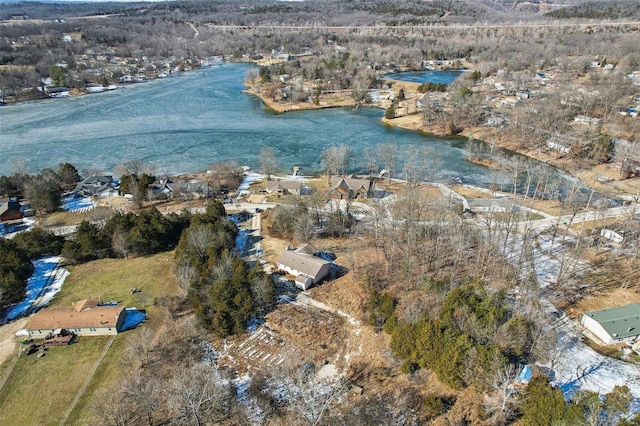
x=10, y=212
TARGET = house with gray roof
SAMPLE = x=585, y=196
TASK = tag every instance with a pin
x=614, y=325
x=302, y=262
x=96, y=186
x=348, y=188
x=284, y=187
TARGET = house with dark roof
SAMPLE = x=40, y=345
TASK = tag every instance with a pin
x=194, y=188
x=86, y=318
x=10, y=211
x=96, y=186
x=614, y=325
x=307, y=268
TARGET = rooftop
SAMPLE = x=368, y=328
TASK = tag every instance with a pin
x=84, y=314
x=620, y=322
x=302, y=261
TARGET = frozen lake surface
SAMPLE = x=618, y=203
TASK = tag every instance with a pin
x=185, y=123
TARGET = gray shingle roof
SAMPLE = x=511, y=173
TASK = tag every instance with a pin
x=305, y=263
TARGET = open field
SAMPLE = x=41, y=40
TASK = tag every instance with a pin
x=26, y=397
x=113, y=279
x=65, y=218
x=39, y=390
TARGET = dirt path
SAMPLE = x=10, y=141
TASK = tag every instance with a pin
x=8, y=340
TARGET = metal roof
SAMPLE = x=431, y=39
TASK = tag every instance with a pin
x=620, y=322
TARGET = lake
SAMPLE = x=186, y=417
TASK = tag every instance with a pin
x=185, y=123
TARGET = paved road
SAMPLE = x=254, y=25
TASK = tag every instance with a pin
x=250, y=207
x=626, y=211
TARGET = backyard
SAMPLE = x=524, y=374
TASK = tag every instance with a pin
x=77, y=371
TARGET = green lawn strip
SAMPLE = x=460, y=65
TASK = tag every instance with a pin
x=115, y=367
x=39, y=390
x=112, y=369
x=113, y=279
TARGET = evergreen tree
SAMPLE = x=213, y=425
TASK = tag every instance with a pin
x=541, y=404
x=15, y=270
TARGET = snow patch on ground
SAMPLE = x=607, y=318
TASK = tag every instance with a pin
x=74, y=204
x=46, y=281
x=328, y=371
x=249, y=178
x=578, y=366
x=254, y=413
x=10, y=231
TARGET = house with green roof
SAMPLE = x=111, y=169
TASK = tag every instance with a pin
x=614, y=325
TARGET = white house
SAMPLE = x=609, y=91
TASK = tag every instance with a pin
x=620, y=232
x=614, y=325
x=308, y=269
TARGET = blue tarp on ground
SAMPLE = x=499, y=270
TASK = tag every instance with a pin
x=525, y=375
x=134, y=318
x=36, y=287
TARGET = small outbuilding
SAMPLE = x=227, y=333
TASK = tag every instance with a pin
x=10, y=211
x=620, y=232
x=614, y=325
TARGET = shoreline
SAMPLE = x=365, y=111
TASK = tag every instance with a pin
x=625, y=189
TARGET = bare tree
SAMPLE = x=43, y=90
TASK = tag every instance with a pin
x=120, y=243
x=308, y=396
x=331, y=161
x=388, y=154
x=111, y=408
x=139, y=348
x=200, y=238
x=135, y=167
x=200, y=395
x=500, y=401
x=186, y=274
x=143, y=393
x=268, y=161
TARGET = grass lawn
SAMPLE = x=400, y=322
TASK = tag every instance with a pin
x=63, y=218
x=40, y=390
x=113, y=279
x=113, y=367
